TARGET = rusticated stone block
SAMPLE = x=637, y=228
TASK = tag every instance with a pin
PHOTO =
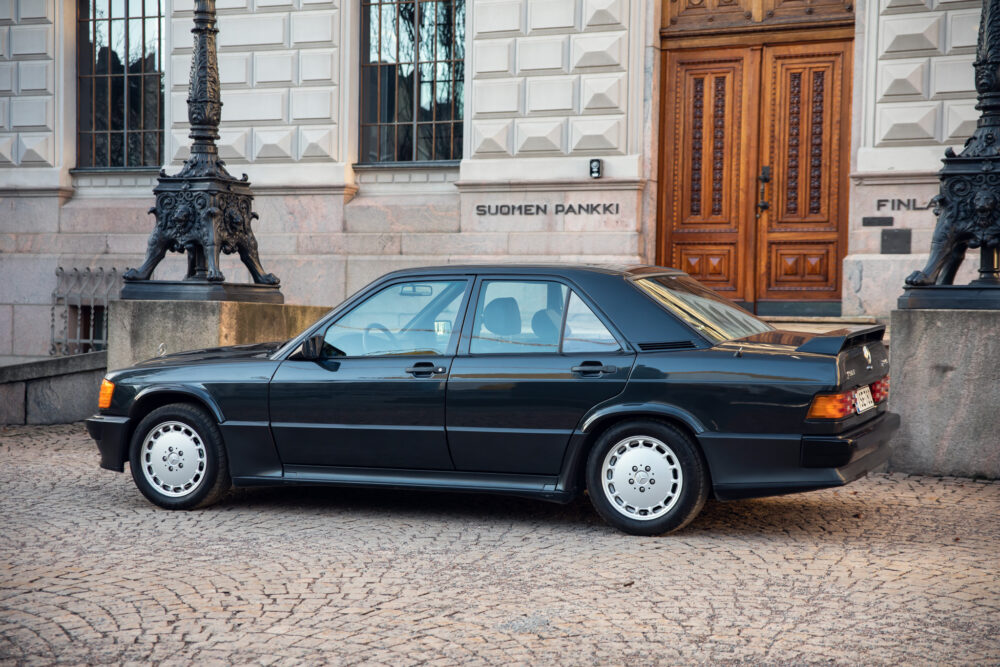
x=946, y=389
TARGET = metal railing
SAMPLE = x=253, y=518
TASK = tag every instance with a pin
x=79, y=321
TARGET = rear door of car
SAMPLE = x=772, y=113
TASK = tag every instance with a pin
x=376, y=398
x=535, y=355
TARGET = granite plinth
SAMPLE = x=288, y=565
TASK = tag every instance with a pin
x=946, y=389
x=139, y=330
x=951, y=297
x=196, y=290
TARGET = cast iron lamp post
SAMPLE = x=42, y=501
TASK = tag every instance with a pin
x=968, y=206
x=203, y=210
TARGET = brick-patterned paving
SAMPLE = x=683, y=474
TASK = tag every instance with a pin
x=892, y=569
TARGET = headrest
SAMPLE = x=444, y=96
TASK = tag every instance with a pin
x=545, y=324
x=502, y=316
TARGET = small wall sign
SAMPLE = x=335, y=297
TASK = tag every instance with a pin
x=543, y=209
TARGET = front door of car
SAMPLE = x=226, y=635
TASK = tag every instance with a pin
x=534, y=358
x=376, y=396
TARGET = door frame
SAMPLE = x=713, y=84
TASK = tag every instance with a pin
x=755, y=41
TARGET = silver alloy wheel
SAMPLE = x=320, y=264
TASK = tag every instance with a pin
x=173, y=459
x=642, y=478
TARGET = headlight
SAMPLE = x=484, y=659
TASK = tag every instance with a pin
x=104, y=398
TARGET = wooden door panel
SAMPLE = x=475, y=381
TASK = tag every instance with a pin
x=805, y=126
x=705, y=228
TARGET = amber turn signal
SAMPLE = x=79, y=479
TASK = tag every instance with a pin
x=104, y=398
x=832, y=406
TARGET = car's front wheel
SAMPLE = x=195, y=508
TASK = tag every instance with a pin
x=646, y=478
x=177, y=457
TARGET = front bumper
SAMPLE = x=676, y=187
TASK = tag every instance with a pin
x=111, y=434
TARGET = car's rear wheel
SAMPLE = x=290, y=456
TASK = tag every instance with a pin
x=177, y=457
x=646, y=478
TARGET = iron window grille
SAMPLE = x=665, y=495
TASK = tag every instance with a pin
x=412, y=80
x=119, y=83
x=79, y=315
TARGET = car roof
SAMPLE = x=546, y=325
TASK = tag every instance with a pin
x=628, y=271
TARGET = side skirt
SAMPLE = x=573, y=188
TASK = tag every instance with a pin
x=539, y=487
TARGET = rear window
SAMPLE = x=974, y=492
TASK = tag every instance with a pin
x=714, y=317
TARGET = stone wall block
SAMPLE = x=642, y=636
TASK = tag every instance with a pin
x=503, y=16
x=596, y=135
x=468, y=243
x=541, y=136
x=912, y=122
x=602, y=13
x=903, y=79
x=8, y=74
x=63, y=398
x=551, y=15
x=6, y=329
x=603, y=93
x=317, y=142
x=542, y=54
x=314, y=28
x=33, y=323
x=947, y=359
x=28, y=41
x=578, y=243
x=299, y=213
x=919, y=34
x=8, y=149
x=313, y=104
x=31, y=113
x=953, y=77
x=497, y=97
x=255, y=105
x=12, y=403
x=963, y=29
x=402, y=214
x=598, y=50
x=492, y=136
x=493, y=57
x=318, y=66
x=960, y=119
x=551, y=94
x=242, y=31
x=34, y=77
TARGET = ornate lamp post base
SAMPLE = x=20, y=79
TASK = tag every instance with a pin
x=203, y=210
x=968, y=206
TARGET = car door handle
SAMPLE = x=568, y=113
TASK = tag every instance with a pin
x=594, y=369
x=425, y=369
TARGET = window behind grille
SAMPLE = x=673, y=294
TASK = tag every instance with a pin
x=119, y=83
x=412, y=80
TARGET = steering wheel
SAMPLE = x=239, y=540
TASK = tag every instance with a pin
x=382, y=330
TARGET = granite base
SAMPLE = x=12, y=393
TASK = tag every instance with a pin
x=139, y=330
x=946, y=389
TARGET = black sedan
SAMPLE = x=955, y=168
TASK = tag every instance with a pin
x=637, y=384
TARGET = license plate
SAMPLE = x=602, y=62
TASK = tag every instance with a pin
x=863, y=400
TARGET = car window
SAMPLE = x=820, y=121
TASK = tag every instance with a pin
x=518, y=316
x=404, y=318
x=584, y=332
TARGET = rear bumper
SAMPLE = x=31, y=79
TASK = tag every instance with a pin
x=756, y=466
x=111, y=434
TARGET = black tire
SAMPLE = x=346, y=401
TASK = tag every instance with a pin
x=683, y=477
x=191, y=427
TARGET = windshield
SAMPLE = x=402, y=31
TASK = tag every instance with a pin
x=711, y=315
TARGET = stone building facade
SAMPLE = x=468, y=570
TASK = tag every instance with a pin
x=547, y=86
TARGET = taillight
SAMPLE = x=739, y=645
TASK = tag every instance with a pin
x=832, y=406
x=104, y=398
x=880, y=389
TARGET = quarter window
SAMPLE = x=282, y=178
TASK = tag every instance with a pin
x=412, y=80
x=119, y=83
x=416, y=318
x=584, y=332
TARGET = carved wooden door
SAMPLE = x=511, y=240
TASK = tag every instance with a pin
x=730, y=113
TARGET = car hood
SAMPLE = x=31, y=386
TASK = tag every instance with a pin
x=212, y=354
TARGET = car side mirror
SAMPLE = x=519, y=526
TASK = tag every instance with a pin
x=311, y=348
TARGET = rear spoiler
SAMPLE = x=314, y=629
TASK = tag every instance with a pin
x=834, y=342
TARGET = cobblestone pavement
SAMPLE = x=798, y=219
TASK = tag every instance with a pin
x=891, y=569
